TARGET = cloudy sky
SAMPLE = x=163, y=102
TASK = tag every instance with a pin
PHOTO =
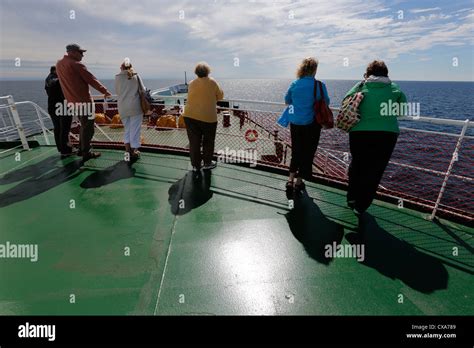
x=419, y=40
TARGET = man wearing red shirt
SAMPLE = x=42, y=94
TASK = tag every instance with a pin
x=75, y=80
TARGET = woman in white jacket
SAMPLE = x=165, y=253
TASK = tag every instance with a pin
x=131, y=114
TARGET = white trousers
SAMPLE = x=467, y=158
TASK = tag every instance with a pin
x=132, y=126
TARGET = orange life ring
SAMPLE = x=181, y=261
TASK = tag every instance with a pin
x=251, y=135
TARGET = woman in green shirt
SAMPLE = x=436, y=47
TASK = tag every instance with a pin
x=373, y=139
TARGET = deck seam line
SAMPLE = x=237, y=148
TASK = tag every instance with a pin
x=10, y=149
x=166, y=264
x=23, y=163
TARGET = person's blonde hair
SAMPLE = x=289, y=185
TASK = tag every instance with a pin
x=126, y=65
x=307, y=67
x=202, y=69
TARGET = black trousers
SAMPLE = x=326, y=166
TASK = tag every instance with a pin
x=86, y=134
x=62, y=127
x=304, y=142
x=200, y=133
x=371, y=152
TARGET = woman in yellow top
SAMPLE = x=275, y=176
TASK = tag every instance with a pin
x=200, y=116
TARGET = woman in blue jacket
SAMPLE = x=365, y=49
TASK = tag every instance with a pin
x=305, y=131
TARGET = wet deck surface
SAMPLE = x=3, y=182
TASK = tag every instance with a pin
x=234, y=247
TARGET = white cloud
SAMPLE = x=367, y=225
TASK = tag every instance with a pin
x=262, y=34
x=421, y=10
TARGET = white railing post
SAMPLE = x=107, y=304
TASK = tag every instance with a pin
x=18, y=125
x=454, y=158
x=43, y=128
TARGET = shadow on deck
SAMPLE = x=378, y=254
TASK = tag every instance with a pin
x=227, y=241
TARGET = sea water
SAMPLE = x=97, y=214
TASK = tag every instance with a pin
x=439, y=99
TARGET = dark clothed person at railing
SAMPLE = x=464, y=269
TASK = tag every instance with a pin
x=373, y=138
x=62, y=124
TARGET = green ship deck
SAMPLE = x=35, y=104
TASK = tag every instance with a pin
x=223, y=245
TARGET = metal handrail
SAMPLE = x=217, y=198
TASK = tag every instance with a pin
x=440, y=121
x=328, y=152
x=427, y=119
x=448, y=172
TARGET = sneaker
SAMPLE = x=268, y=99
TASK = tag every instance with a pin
x=134, y=156
x=69, y=151
x=90, y=155
x=210, y=166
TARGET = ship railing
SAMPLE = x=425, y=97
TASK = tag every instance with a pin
x=34, y=117
x=429, y=169
x=432, y=169
x=14, y=127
